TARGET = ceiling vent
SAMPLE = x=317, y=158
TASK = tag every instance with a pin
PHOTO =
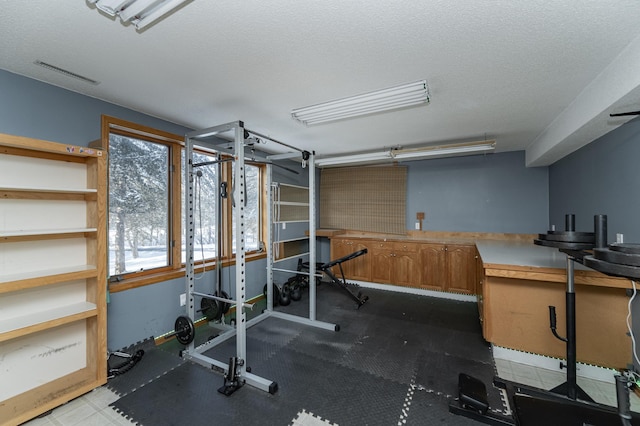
x=67, y=73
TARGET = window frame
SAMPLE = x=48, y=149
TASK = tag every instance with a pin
x=176, y=268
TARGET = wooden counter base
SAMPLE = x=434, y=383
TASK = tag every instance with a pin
x=516, y=316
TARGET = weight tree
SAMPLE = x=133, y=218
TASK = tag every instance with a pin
x=209, y=140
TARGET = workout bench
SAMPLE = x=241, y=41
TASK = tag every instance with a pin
x=326, y=268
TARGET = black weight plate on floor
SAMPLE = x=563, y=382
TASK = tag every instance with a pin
x=569, y=237
x=624, y=271
x=630, y=248
x=617, y=257
x=564, y=245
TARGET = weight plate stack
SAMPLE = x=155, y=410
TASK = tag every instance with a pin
x=619, y=259
x=567, y=240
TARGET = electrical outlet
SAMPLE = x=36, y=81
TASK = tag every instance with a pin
x=183, y=299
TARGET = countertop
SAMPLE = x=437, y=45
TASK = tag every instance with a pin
x=522, y=254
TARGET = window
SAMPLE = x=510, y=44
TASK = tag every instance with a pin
x=205, y=194
x=252, y=214
x=146, y=202
x=139, y=227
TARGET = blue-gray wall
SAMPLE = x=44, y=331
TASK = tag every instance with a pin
x=482, y=193
x=601, y=178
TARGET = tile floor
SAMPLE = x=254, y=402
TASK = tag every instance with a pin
x=93, y=408
x=601, y=392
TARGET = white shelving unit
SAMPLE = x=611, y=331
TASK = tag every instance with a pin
x=52, y=275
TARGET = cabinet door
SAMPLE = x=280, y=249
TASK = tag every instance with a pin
x=461, y=269
x=355, y=269
x=433, y=261
x=479, y=290
x=405, y=265
x=381, y=257
x=360, y=267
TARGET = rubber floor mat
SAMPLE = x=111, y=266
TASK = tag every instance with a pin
x=396, y=360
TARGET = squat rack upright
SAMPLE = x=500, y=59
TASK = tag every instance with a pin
x=237, y=366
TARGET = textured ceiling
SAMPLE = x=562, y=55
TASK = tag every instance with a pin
x=537, y=75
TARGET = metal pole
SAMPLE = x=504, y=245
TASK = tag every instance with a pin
x=239, y=196
x=572, y=389
x=312, y=237
x=189, y=229
x=268, y=244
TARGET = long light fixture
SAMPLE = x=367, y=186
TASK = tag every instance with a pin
x=140, y=13
x=392, y=98
x=395, y=154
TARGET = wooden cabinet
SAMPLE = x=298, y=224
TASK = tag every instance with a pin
x=52, y=275
x=356, y=269
x=395, y=263
x=461, y=269
x=448, y=267
x=430, y=266
x=433, y=259
x=479, y=290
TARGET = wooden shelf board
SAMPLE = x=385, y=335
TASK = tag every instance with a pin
x=37, y=278
x=41, y=234
x=291, y=203
x=49, y=189
x=22, y=142
x=11, y=328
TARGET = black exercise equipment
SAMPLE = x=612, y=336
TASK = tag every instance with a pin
x=276, y=293
x=232, y=381
x=573, y=244
x=184, y=330
x=129, y=362
x=213, y=309
x=296, y=292
x=285, y=295
x=326, y=268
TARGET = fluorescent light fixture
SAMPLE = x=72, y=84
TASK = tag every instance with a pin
x=392, y=98
x=395, y=154
x=140, y=13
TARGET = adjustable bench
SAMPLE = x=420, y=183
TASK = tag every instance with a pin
x=326, y=268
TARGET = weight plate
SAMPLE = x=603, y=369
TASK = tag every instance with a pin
x=569, y=237
x=564, y=245
x=210, y=308
x=185, y=330
x=584, y=234
x=630, y=248
x=276, y=293
x=614, y=269
x=621, y=258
